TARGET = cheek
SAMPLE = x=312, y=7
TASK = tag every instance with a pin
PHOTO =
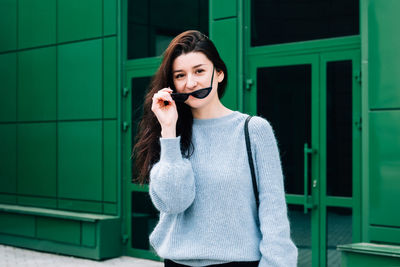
x=179, y=87
x=214, y=92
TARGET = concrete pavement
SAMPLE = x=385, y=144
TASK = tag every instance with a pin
x=16, y=257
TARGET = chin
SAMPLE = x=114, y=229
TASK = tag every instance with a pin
x=195, y=104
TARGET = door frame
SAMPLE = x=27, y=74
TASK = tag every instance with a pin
x=306, y=200
x=318, y=200
x=134, y=69
x=326, y=201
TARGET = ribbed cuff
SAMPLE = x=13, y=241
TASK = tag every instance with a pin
x=170, y=149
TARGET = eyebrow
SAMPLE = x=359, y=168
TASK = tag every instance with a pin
x=193, y=68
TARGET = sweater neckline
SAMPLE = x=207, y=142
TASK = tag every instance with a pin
x=216, y=121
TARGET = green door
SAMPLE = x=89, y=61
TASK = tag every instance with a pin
x=312, y=103
x=140, y=216
x=340, y=152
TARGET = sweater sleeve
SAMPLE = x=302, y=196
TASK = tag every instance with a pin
x=172, y=185
x=276, y=246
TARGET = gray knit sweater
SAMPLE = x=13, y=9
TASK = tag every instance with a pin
x=207, y=206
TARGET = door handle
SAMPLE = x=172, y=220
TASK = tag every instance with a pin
x=307, y=151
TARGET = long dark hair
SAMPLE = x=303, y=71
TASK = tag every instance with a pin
x=146, y=151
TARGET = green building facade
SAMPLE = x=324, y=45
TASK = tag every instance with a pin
x=323, y=72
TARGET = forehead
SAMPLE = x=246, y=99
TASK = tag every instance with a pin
x=189, y=60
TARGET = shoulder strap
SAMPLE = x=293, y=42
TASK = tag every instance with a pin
x=250, y=156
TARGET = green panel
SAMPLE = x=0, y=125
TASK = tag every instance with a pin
x=64, y=231
x=356, y=260
x=36, y=156
x=223, y=9
x=109, y=237
x=36, y=23
x=8, y=198
x=110, y=161
x=110, y=17
x=110, y=77
x=37, y=202
x=384, y=167
x=224, y=35
x=88, y=234
x=79, y=20
x=383, y=53
x=51, y=246
x=79, y=80
x=16, y=224
x=369, y=254
x=36, y=95
x=80, y=160
x=55, y=213
x=8, y=158
x=390, y=235
x=8, y=25
x=8, y=88
x=110, y=209
x=76, y=205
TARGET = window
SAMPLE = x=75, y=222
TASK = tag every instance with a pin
x=152, y=24
x=286, y=21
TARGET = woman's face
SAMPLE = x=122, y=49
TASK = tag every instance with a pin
x=193, y=71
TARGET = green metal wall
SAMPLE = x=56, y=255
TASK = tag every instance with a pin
x=225, y=32
x=381, y=144
x=58, y=115
x=381, y=81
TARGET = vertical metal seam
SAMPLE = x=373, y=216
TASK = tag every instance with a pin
x=16, y=101
x=56, y=121
x=102, y=109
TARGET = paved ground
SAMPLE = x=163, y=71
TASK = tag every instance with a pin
x=15, y=257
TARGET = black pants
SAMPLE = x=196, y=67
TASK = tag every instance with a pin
x=169, y=263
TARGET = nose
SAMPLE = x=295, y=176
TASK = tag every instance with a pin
x=191, y=82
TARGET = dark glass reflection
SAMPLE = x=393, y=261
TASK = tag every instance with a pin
x=300, y=232
x=286, y=21
x=339, y=232
x=284, y=99
x=152, y=24
x=144, y=219
x=139, y=88
x=339, y=128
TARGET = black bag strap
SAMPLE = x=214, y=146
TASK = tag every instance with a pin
x=251, y=163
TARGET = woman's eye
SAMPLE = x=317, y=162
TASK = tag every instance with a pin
x=178, y=76
x=199, y=70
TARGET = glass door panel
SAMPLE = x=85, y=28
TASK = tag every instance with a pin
x=339, y=232
x=283, y=98
x=339, y=128
x=300, y=232
x=139, y=87
x=144, y=216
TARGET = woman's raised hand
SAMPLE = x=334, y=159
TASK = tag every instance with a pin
x=167, y=115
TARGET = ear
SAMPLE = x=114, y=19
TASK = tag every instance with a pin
x=220, y=76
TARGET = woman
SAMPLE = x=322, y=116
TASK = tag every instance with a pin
x=193, y=150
